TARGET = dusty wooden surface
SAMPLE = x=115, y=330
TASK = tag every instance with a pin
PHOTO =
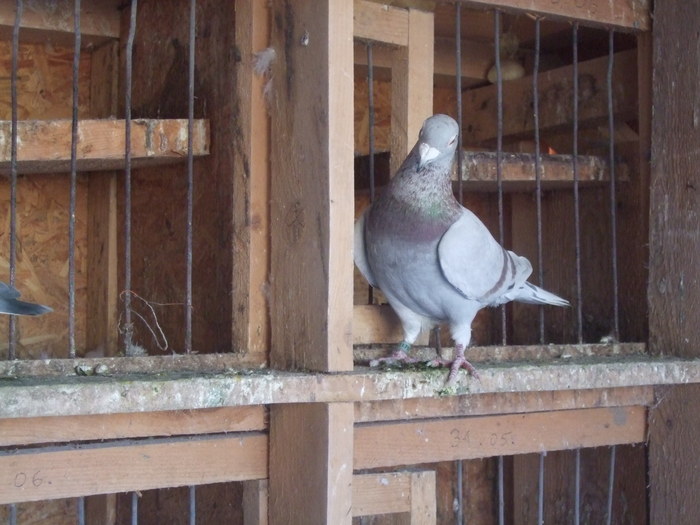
x=44, y=145
x=99, y=395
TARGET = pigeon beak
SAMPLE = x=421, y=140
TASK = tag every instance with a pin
x=427, y=153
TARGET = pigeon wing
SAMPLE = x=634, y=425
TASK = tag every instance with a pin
x=360, y=254
x=476, y=265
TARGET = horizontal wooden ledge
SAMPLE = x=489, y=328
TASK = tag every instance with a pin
x=480, y=171
x=67, y=396
x=44, y=146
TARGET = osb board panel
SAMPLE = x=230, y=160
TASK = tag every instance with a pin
x=51, y=512
x=42, y=262
x=44, y=81
x=160, y=79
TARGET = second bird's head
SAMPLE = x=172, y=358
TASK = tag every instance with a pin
x=437, y=140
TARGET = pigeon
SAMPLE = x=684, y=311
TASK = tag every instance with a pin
x=10, y=303
x=433, y=259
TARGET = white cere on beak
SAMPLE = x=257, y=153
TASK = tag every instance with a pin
x=427, y=153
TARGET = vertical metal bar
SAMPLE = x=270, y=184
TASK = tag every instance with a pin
x=459, y=510
x=613, y=191
x=577, y=211
x=460, y=195
x=501, y=494
x=538, y=169
x=12, y=518
x=134, y=508
x=540, y=491
x=73, y=183
x=81, y=510
x=458, y=96
x=190, y=179
x=499, y=146
x=19, y=6
x=577, y=488
x=128, y=326
x=193, y=502
x=371, y=109
x=611, y=485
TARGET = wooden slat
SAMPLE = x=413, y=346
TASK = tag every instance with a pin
x=53, y=21
x=632, y=15
x=411, y=85
x=119, y=467
x=378, y=324
x=251, y=194
x=90, y=395
x=44, y=145
x=380, y=23
x=386, y=493
x=479, y=171
x=505, y=403
x=477, y=437
x=28, y=431
x=556, y=85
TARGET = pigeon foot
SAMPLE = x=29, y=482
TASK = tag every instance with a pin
x=399, y=357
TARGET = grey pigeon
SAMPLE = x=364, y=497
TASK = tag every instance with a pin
x=433, y=259
x=10, y=303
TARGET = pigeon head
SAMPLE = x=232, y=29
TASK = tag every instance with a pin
x=437, y=140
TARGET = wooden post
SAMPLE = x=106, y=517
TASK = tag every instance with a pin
x=411, y=85
x=674, y=273
x=311, y=445
x=251, y=225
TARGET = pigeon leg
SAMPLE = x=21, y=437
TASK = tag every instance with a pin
x=459, y=362
x=399, y=356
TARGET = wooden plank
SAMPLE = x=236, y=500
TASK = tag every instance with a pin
x=479, y=171
x=99, y=395
x=485, y=436
x=102, y=291
x=251, y=219
x=411, y=85
x=28, y=431
x=556, y=85
x=380, y=23
x=385, y=493
x=35, y=475
x=311, y=215
x=633, y=15
x=311, y=449
x=423, y=504
x=53, y=22
x=374, y=324
x=255, y=493
x=674, y=317
x=44, y=146
x=504, y=403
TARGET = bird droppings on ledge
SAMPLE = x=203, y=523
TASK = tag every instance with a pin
x=170, y=390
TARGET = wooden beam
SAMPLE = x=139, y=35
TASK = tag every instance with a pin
x=251, y=217
x=311, y=254
x=44, y=145
x=409, y=443
x=556, y=101
x=53, y=22
x=29, y=431
x=311, y=216
x=674, y=319
x=380, y=23
x=504, y=403
x=98, y=395
x=311, y=463
x=633, y=15
x=411, y=85
x=35, y=475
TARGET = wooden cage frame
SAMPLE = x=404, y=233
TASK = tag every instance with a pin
x=331, y=420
